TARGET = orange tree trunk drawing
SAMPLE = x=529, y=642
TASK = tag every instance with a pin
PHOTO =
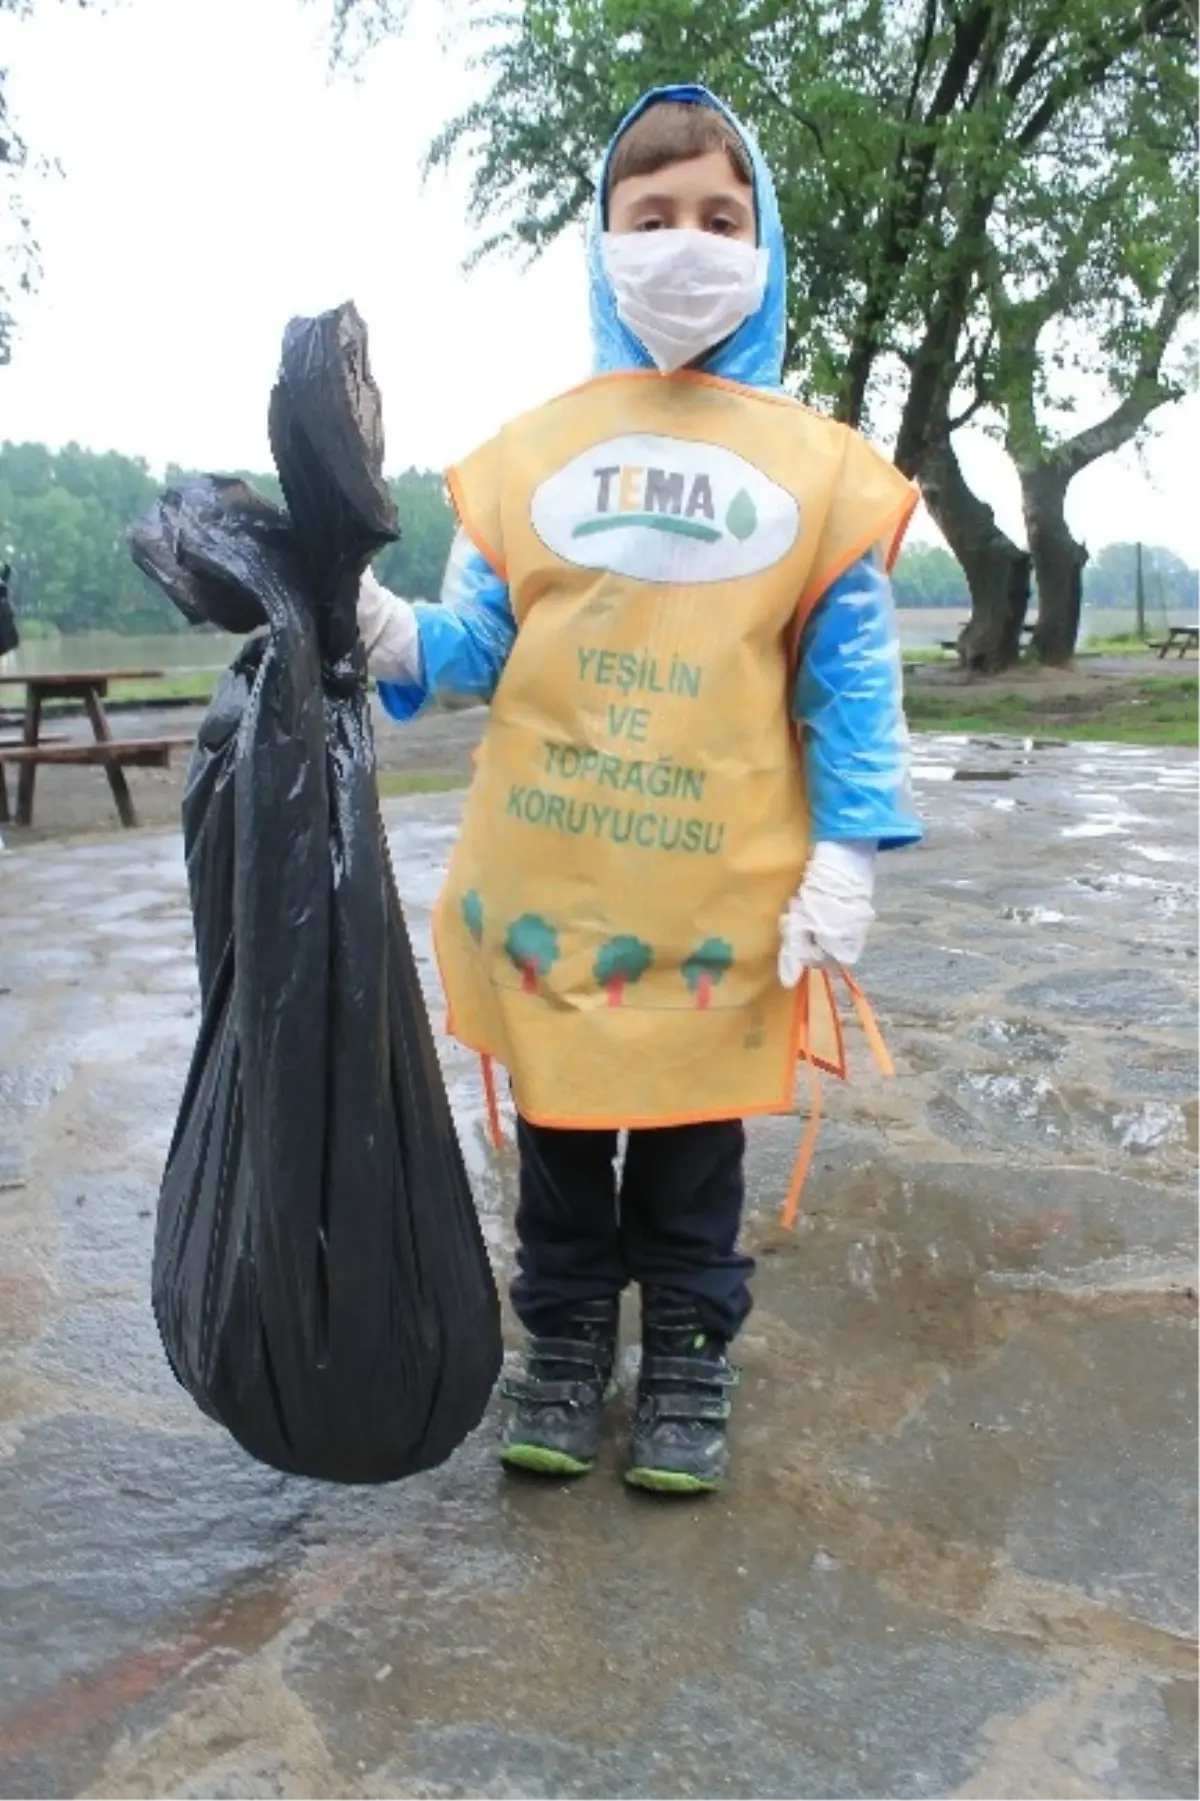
x=705, y=968
x=620, y=962
x=532, y=945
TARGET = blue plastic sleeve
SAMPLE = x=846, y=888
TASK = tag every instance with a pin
x=464, y=643
x=849, y=703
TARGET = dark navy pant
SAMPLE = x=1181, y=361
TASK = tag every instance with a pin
x=671, y=1222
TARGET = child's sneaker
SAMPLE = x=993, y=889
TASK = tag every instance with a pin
x=556, y=1400
x=682, y=1411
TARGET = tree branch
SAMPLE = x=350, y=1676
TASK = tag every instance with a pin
x=1027, y=65
x=970, y=35
x=1123, y=423
x=976, y=355
x=911, y=175
x=928, y=26
x=970, y=411
x=1148, y=391
x=785, y=106
x=1152, y=20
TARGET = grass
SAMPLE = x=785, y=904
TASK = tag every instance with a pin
x=1118, y=644
x=924, y=655
x=394, y=783
x=1160, y=711
x=191, y=687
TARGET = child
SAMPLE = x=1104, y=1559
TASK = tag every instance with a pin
x=665, y=580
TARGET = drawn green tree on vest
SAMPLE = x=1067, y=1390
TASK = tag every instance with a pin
x=705, y=968
x=472, y=912
x=532, y=944
x=620, y=962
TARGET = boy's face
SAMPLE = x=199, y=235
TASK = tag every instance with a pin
x=702, y=194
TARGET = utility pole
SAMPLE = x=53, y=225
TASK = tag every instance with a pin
x=1141, y=596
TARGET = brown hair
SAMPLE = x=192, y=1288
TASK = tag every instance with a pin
x=675, y=131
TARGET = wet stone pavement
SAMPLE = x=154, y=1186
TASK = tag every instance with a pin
x=958, y=1553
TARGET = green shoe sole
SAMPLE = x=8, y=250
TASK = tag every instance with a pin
x=542, y=1461
x=672, y=1482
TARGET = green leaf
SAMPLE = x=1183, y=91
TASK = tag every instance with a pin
x=742, y=517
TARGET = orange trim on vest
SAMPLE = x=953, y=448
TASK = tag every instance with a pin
x=477, y=538
x=495, y=1129
x=697, y=378
x=822, y=583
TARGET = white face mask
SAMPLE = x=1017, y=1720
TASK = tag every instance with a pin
x=681, y=292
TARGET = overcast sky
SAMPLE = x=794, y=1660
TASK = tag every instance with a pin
x=217, y=180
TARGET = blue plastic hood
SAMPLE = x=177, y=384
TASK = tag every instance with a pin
x=754, y=354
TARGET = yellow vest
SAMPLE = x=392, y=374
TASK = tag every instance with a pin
x=637, y=822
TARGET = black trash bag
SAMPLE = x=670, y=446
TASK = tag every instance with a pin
x=320, y=1280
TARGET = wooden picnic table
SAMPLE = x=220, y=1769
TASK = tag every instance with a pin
x=1182, y=638
x=1027, y=632
x=114, y=755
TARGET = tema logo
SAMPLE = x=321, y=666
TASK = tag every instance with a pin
x=665, y=510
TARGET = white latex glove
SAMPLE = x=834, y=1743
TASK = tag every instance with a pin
x=388, y=627
x=830, y=917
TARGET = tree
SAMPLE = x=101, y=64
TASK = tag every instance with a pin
x=532, y=946
x=19, y=266
x=1110, y=581
x=359, y=24
x=64, y=518
x=705, y=968
x=909, y=138
x=926, y=575
x=620, y=962
x=415, y=564
x=1095, y=276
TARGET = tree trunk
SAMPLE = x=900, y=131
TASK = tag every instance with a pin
x=997, y=570
x=1058, y=563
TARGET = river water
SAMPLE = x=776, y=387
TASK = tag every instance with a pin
x=179, y=652
x=172, y=652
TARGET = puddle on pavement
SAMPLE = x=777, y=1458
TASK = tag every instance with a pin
x=1164, y=896
x=1022, y=1039
x=948, y=772
x=904, y=1274
x=1094, y=828
x=1026, y=1110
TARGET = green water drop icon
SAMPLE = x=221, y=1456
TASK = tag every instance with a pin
x=742, y=517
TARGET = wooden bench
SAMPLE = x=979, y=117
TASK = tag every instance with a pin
x=1027, y=631
x=1183, y=638
x=116, y=754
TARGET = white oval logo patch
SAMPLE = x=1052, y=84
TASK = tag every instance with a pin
x=667, y=510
